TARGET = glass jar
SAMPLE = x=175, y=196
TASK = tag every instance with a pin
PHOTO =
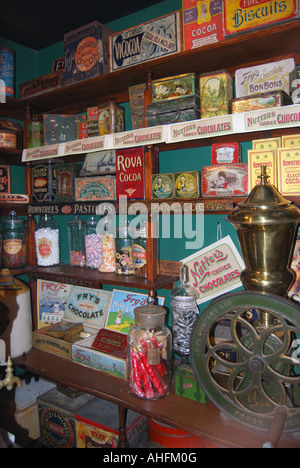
x=149, y=353
x=47, y=242
x=93, y=245
x=124, y=263
x=108, y=243
x=76, y=234
x=138, y=251
x=184, y=313
x=14, y=252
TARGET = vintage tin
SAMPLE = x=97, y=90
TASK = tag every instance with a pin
x=156, y=38
x=173, y=111
x=225, y=153
x=187, y=184
x=246, y=16
x=10, y=134
x=97, y=426
x=44, y=181
x=186, y=384
x=86, y=52
x=35, y=134
x=7, y=71
x=65, y=182
x=258, y=158
x=224, y=181
x=202, y=22
x=289, y=171
x=57, y=418
x=216, y=93
x=162, y=186
x=99, y=163
x=61, y=128
x=261, y=101
x=130, y=173
x=88, y=129
x=53, y=80
x=4, y=179
x=274, y=76
x=136, y=99
x=267, y=143
x=175, y=87
x=95, y=188
x=110, y=118
x=92, y=113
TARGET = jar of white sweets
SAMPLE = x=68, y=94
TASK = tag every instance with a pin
x=47, y=242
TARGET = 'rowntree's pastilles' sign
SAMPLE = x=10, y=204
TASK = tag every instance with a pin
x=215, y=270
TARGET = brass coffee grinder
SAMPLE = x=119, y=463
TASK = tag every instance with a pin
x=244, y=346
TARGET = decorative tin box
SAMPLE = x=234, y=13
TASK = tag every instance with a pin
x=86, y=52
x=258, y=158
x=99, y=162
x=216, y=93
x=61, y=128
x=44, y=181
x=173, y=111
x=274, y=76
x=225, y=153
x=35, y=134
x=42, y=84
x=4, y=179
x=65, y=182
x=186, y=384
x=202, y=22
x=261, y=101
x=88, y=129
x=175, y=87
x=130, y=175
x=162, y=186
x=225, y=181
x=156, y=38
x=289, y=171
x=243, y=17
x=95, y=188
x=110, y=118
x=187, y=184
x=136, y=98
x=97, y=426
x=57, y=418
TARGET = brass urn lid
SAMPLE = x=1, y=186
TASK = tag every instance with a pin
x=265, y=205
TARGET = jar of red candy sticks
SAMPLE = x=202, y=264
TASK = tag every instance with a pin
x=149, y=353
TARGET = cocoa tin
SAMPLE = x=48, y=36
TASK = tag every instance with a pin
x=216, y=93
x=162, y=186
x=187, y=184
x=130, y=172
x=224, y=181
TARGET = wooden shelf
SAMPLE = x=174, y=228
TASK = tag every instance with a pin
x=204, y=420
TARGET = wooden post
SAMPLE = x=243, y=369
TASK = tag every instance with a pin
x=123, y=442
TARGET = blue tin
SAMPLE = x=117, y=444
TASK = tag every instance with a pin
x=7, y=70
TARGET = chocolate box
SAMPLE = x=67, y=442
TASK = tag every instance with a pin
x=290, y=141
x=162, y=186
x=216, y=93
x=224, y=181
x=173, y=111
x=267, y=143
x=95, y=188
x=175, y=87
x=187, y=184
x=154, y=39
x=289, y=171
x=202, y=22
x=261, y=101
x=61, y=128
x=86, y=52
x=243, y=17
x=258, y=158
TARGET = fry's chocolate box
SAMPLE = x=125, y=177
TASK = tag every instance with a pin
x=224, y=181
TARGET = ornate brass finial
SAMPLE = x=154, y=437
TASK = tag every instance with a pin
x=263, y=176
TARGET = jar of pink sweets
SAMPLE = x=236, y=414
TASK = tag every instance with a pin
x=149, y=353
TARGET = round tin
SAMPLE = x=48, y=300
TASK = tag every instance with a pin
x=7, y=71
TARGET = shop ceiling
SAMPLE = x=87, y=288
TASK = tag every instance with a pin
x=38, y=24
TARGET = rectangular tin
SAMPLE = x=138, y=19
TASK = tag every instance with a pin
x=175, y=87
x=187, y=184
x=216, y=94
x=110, y=118
x=86, y=52
x=246, y=15
x=258, y=158
x=225, y=153
x=130, y=173
x=59, y=128
x=224, y=181
x=136, y=99
x=289, y=171
x=148, y=41
x=261, y=101
x=35, y=134
x=95, y=188
x=4, y=179
x=42, y=84
x=202, y=23
x=65, y=182
x=173, y=111
x=162, y=186
x=44, y=182
x=88, y=129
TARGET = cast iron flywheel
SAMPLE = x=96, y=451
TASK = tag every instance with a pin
x=244, y=352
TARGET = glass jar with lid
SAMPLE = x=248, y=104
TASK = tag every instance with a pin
x=76, y=233
x=47, y=241
x=149, y=353
x=93, y=245
x=14, y=251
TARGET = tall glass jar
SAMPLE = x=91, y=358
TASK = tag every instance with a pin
x=76, y=234
x=93, y=245
x=108, y=243
x=138, y=251
x=149, y=353
x=47, y=242
x=14, y=251
x=124, y=263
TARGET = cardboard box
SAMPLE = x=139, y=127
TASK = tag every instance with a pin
x=202, y=22
x=86, y=52
x=224, y=181
x=52, y=299
x=243, y=17
x=186, y=384
x=97, y=426
x=290, y=141
x=216, y=93
x=154, y=39
x=289, y=171
x=259, y=158
x=95, y=188
x=267, y=143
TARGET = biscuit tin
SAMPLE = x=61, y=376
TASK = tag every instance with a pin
x=130, y=173
x=65, y=182
x=274, y=76
x=247, y=15
x=267, y=143
x=136, y=99
x=156, y=38
x=289, y=171
x=216, y=93
x=175, y=87
x=187, y=184
x=261, y=101
x=162, y=186
x=258, y=158
x=173, y=111
x=110, y=118
x=10, y=134
x=95, y=188
x=86, y=52
x=61, y=128
x=224, y=181
x=225, y=153
x=290, y=141
x=202, y=22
